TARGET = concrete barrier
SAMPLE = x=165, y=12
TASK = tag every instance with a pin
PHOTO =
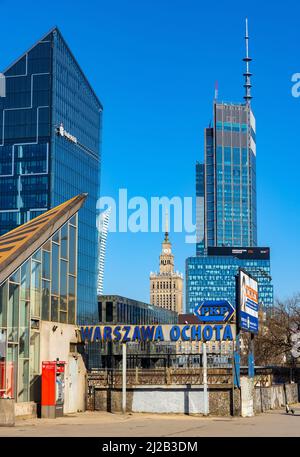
x=7, y=412
x=274, y=397
x=26, y=410
x=182, y=399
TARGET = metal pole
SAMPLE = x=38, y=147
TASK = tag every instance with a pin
x=205, y=393
x=251, y=371
x=124, y=360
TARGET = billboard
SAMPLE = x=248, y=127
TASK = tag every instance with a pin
x=248, y=302
x=255, y=253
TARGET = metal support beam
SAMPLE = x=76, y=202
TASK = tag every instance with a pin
x=124, y=362
x=205, y=392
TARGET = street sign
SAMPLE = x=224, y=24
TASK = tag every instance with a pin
x=214, y=311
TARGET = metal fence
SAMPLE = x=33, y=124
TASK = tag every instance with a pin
x=159, y=376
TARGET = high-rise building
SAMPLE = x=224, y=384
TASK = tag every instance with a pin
x=214, y=276
x=226, y=214
x=200, y=207
x=227, y=179
x=166, y=286
x=102, y=226
x=230, y=177
x=50, y=125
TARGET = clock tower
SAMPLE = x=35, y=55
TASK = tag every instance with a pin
x=166, y=286
x=166, y=258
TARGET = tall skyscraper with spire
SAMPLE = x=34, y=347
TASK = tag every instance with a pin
x=230, y=172
x=226, y=205
x=166, y=286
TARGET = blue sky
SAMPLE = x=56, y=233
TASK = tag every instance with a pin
x=153, y=64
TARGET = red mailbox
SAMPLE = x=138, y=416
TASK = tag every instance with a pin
x=53, y=384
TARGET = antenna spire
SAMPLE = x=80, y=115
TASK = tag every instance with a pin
x=166, y=226
x=247, y=74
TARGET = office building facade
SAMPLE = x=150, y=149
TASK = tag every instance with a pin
x=114, y=309
x=50, y=124
x=227, y=181
x=214, y=276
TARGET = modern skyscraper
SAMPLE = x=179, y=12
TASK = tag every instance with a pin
x=166, y=286
x=102, y=226
x=229, y=176
x=200, y=207
x=50, y=125
x=226, y=206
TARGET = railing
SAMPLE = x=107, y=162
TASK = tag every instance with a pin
x=159, y=376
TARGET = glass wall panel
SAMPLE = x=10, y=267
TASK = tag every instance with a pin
x=63, y=285
x=72, y=303
x=11, y=370
x=3, y=303
x=46, y=264
x=23, y=382
x=13, y=312
x=72, y=249
x=25, y=281
x=64, y=242
x=54, y=308
x=45, y=300
x=35, y=288
x=55, y=269
x=34, y=354
x=3, y=342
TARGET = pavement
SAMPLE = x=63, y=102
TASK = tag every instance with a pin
x=102, y=424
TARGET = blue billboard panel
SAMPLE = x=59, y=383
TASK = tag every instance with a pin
x=248, y=303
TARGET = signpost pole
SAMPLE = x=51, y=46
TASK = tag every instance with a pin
x=124, y=360
x=251, y=358
x=205, y=393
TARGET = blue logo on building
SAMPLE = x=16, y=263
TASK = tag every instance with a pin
x=214, y=311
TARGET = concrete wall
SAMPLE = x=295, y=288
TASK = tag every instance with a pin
x=273, y=397
x=184, y=399
x=56, y=344
x=25, y=410
x=247, y=396
x=168, y=399
x=7, y=412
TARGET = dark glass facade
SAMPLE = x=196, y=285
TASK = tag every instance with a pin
x=200, y=207
x=40, y=168
x=230, y=178
x=213, y=277
x=114, y=309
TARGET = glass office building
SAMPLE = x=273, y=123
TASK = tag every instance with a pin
x=50, y=125
x=38, y=276
x=214, y=276
x=229, y=178
x=200, y=207
x=114, y=309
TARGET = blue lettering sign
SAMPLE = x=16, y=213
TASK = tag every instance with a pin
x=175, y=333
x=159, y=336
x=214, y=311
